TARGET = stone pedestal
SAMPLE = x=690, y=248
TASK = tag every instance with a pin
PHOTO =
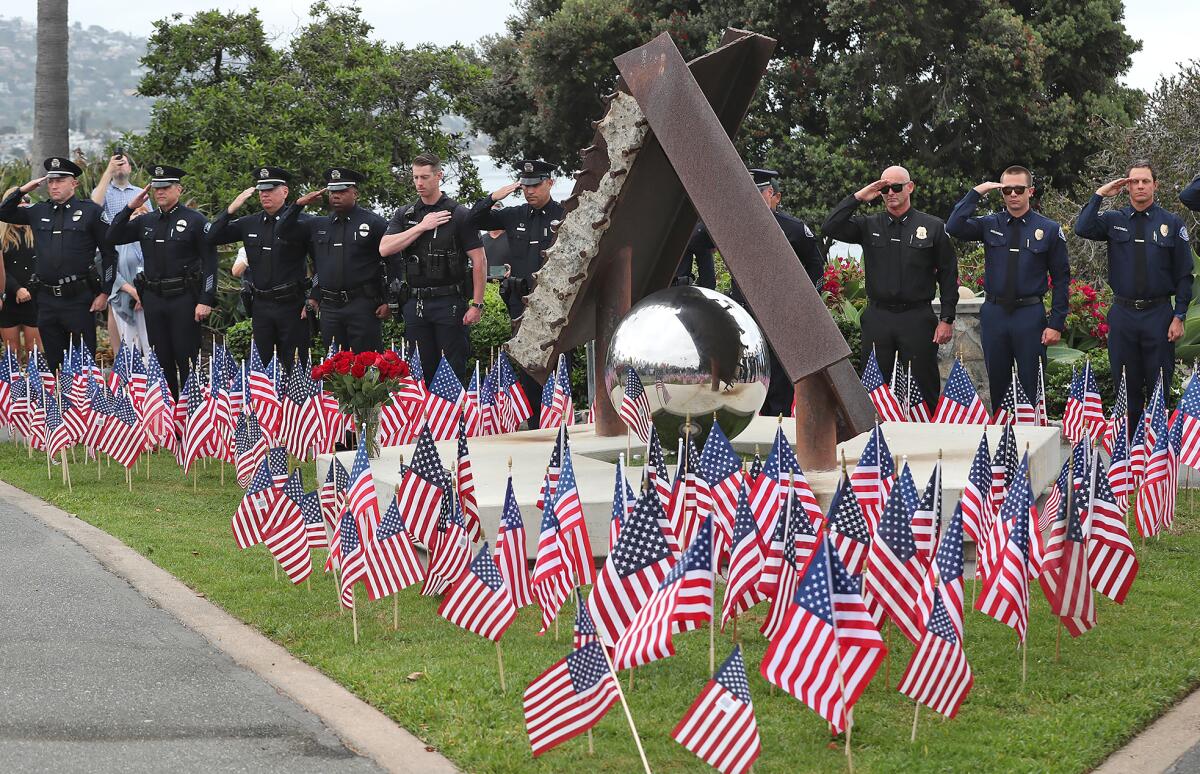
x=966, y=342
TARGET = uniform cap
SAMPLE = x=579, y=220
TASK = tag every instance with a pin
x=164, y=176
x=266, y=178
x=341, y=178
x=763, y=177
x=60, y=166
x=533, y=171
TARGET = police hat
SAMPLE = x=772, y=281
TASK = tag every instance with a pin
x=763, y=177
x=165, y=177
x=59, y=166
x=266, y=178
x=533, y=172
x=340, y=178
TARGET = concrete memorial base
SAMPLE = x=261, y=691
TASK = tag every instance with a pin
x=595, y=459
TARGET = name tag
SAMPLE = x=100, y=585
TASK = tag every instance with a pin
x=1120, y=228
x=337, y=244
x=252, y=235
x=160, y=241
x=266, y=248
x=997, y=233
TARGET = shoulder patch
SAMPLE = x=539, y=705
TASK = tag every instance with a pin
x=808, y=232
x=1062, y=234
x=105, y=219
x=1183, y=234
x=207, y=227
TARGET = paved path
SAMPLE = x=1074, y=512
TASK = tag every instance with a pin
x=97, y=677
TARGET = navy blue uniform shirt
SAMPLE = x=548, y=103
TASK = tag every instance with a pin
x=345, y=248
x=173, y=245
x=65, y=237
x=273, y=258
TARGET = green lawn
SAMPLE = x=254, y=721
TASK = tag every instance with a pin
x=1109, y=684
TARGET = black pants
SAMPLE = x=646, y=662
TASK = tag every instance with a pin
x=1010, y=338
x=174, y=334
x=353, y=326
x=277, y=328
x=1137, y=340
x=438, y=330
x=780, y=390
x=62, y=319
x=909, y=333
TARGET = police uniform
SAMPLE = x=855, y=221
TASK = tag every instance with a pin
x=1149, y=260
x=904, y=260
x=180, y=273
x=437, y=278
x=1018, y=253
x=697, y=266
x=277, y=275
x=66, y=237
x=348, y=281
x=18, y=271
x=530, y=232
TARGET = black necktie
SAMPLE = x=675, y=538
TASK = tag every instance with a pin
x=338, y=243
x=57, y=230
x=268, y=252
x=1009, y=299
x=1139, y=255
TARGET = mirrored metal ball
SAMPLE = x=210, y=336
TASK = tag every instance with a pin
x=697, y=353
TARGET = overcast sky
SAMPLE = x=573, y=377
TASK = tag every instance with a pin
x=1163, y=26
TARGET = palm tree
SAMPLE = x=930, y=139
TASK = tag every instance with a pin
x=51, y=100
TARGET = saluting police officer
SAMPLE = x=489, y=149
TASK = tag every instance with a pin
x=1149, y=261
x=278, y=266
x=1021, y=248
x=906, y=255
x=178, y=286
x=531, y=230
x=440, y=257
x=348, y=284
x=67, y=232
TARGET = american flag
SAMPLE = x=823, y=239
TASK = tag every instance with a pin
x=237, y=383
x=1057, y=495
x=573, y=534
x=361, y=498
x=123, y=439
x=719, y=479
x=285, y=534
x=74, y=416
x=828, y=648
x=569, y=698
x=480, y=601
x=489, y=405
x=472, y=409
x=101, y=405
x=547, y=415
x=584, y=631
x=444, y=402
x=390, y=556
x=656, y=471
x=1138, y=452
x=945, y=576
x=277, y=462
x=465, y=485
x=353, y=559
x=848, y=529
x=682, y=601
x=873, y=475
x=314, y=521
x=422, y=488
x=636, y=566
x=1189, y=415
x=1093, y=410
x=782, y=575
x=1120, y=477
x=769, y=491
x=564, y=408
x=756, y=466
x=960, y=403
x=303, y=421
x=1039, y=400
x=552, y=581
x=938, y=675
x=745, y=564
x=895, y=569
x=159, y=407
x=452, y=553
x=250, y=447
x=200, y=426
x=1007, y=411
x=1064, y=577
x=882, y=397
x=928, y=516
x=976, y=495
x=635, y=406
x=622, y=502
x=1150, y=510
x=515, y=407
x=1072, y=422
x=918, y=408
x=1112, y=563
x=511, y=555
x=252, y=512
x=264, y=398
x=792, y=528
x=7, y=363
x=719, y=727
x=222, y=436
x=1005, y=594
x=553, y=468
x=333, y=491
x=58, y=435
x=1120, y=413
x=1004, y=466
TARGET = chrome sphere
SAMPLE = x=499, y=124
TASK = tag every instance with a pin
x=696, y=353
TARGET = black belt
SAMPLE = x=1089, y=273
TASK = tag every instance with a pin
x=292, y=291
x=343, y=297
x=899, y=306
x=67, y=286
x=435, y=292
x=1021, y=301
x=167, y=286
x=1141, y=303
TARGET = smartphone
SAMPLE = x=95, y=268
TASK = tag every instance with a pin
x=120, y=152
x=495, y=272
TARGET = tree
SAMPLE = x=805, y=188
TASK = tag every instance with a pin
x=51, y=98
x=954, y=90
x=227, y=102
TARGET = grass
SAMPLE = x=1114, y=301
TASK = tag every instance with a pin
x=1110, y=683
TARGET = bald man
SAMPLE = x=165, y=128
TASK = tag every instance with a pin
x=906, y=256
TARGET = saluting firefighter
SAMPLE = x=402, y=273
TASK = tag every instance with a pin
x=178, y=287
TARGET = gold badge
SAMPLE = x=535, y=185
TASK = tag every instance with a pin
x=1163, y=229
x=158, y=171
x=55, y=163
x=921, y=232
x=1038, y=234
x=335, y=174
x=262, y=172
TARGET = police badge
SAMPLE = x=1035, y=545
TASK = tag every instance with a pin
x=158, y=171
x=1038, y=234
x=263, y=173
x=335, y=175
x=364, y=230
x=55, y=163
x=921, y=232
x=1164, y=229
x=76, y=215
x=181, y=225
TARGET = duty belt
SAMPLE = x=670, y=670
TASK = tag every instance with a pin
x=343, y=297
x=899, y=306
x=1141, y=303
x=422, y=294
x=290, y=292
x=167, y=286
x=67, y=286
x=1020, y=301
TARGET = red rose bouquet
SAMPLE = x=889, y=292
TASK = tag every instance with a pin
x=363, y=383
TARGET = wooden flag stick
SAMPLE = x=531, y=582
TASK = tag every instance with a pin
x=1058, y=640
x=129, y=479
x=275, y=567
x=712, y=618
x=625, y=705
x=1024, y=656
x=631, y=670
x=396, y=612
x=887, y=660
x=221, y=463
x=735, y=629
x=195, y=476
x=500, y=663
x=916, y=713
x=591, y=746
x=49, y=472
x=354, y=614
x=66, y=471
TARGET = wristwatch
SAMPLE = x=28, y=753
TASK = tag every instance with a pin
x=475, y=304
x=947, y=320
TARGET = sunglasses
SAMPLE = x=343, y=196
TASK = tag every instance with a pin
x=26, y=200
x=1009, y=190
x=894, y=187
